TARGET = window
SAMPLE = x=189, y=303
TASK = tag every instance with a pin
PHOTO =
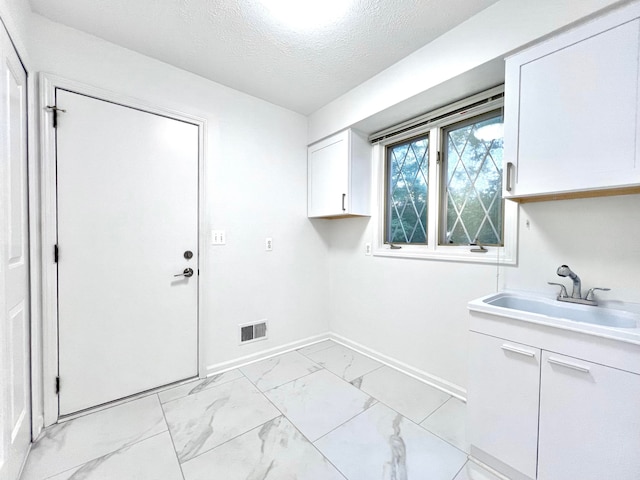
x=472, y=191
x=407, y=173
x=440, y=182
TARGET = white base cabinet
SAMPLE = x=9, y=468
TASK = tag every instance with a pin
x=589, y=421
x=504, y=381
x=571, y=110
x=537, y=414
x=339, y=176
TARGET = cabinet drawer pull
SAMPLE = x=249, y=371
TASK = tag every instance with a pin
x=527, y=353
x=570, y=365
x=344, y=195
x=509, y=174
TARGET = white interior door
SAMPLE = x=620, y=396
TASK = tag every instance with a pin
x=15, y=392
x=127, y=191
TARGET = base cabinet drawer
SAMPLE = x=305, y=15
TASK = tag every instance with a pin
x=589, y=421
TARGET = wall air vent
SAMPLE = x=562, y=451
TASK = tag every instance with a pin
x=251, y=332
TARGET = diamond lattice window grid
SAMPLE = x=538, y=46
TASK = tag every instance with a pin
x=408, y=167
x=474, y=207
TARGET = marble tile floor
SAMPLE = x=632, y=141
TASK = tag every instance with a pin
x=323, y=412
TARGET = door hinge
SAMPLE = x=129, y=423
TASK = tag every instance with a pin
x=57, y=385
x=56, y=253
x=54, y=109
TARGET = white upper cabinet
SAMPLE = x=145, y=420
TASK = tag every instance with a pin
x=339, y=176
x=571, y=110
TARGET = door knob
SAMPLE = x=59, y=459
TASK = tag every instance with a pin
x=188, y=272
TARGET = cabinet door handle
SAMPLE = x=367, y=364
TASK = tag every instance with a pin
x=344, y=195
x=572, y=366
x=509, y=174
x=520, y=351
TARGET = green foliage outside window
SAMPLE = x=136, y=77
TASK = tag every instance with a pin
x=473, y=184
x=471, y=206
x=408, y=166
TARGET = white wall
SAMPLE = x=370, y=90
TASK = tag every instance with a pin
x=415, y=310
x=318, y=277
x=491, y=34
x=599, y=238
x=411, y=310
x=255, y=187
x=15, y=16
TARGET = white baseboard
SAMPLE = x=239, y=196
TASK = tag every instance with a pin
x=263, y=355
x=489, y=469
x=433, y=380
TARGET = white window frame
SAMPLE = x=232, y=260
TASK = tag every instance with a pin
x=506, y=254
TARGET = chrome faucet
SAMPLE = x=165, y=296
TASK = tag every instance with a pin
x=576, y=293
x=565, y=271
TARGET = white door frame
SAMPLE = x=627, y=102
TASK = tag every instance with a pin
x=48, y=84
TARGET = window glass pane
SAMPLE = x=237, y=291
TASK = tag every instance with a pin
x=473, y=183
x=407, y=177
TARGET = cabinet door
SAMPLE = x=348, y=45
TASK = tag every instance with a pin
x=503, y=392
x=329, y=176
x=571, y=111
x=589, y=421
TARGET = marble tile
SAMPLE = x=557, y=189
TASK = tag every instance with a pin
x=316, y=347
x=275, y=450
x=406, y=395
x=211, y=417
x=319, y=402
x=382, y=444
x=198, y=385
x=344, y=362
x=69, y=444
x=473, y=471
x=153, y=458
x=449, y=422
x=279, y=370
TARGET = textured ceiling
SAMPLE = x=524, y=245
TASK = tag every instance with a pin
x=238, y=44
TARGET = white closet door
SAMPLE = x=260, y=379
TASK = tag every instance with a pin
x=15, y=403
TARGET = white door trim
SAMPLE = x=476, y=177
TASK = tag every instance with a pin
x=48, y=84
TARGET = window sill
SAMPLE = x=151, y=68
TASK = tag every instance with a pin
x=494, y=255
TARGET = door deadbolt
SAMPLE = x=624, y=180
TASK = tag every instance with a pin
x=188, y=254
x=188, y=272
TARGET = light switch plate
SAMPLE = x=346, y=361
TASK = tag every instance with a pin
x=218, y=237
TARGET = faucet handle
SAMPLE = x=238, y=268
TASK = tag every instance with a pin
x=563, y=289
x=589, y=295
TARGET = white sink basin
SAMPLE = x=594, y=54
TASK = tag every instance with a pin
x=570, y=311
x=605, y=322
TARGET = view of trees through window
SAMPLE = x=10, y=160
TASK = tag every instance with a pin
x=473, y=159
x=408, y=167
x=471, y=205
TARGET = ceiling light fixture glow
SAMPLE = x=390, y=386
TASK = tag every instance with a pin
x=299, y=14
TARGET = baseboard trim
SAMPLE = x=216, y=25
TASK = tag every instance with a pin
x=432, y=380
x=488, y=468
x=263, y=355
x=428, y=378
x=495, y=466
